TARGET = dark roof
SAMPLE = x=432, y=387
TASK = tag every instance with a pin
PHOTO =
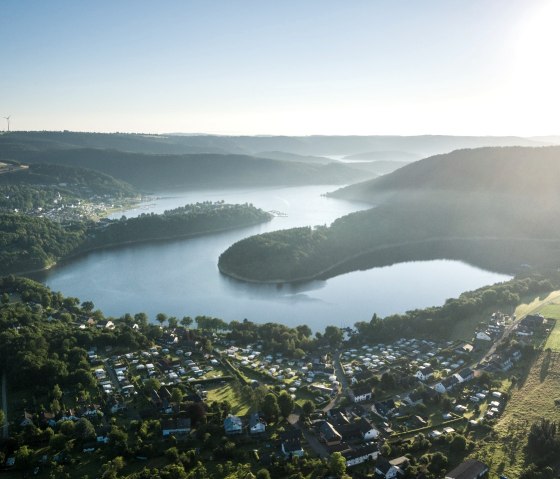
x=254, y=419
x=465, y=373
x=349, y=431
x=449, y=382
x=470, y=469
x=291, y=434
x=427, y=370
x=340, y=447
x=176, y=423
x=360, y=451
x=329, y=432
x=364, y=425
x=415, y=396
x=383, y=465
x=361, y=390
x=292, y=444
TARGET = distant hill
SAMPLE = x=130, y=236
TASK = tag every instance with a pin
x=400, y=156
x=153, y=172
x=282, y=155
x=77, y=179
x=508, y=170
x=421, y=146
x=493, y=207
x=378, y=167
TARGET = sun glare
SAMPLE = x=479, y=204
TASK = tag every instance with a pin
x=536, y=74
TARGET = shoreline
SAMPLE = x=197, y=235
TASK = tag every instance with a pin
x=323, y=273
x=78, y=254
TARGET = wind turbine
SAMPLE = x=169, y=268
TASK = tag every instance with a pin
x=7, y=118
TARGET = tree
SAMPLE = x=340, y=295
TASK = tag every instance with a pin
x=307, y=408
x=333, y=336
x=84, y=430
x=337, y=464
x=270, y=407
x=177, y=396
x=24, y=457
x=304, y=331
x=141, y=319
x=186, y=321
x=152, y=383
x=87, y=307
x=111, y=468
x=263, y=474
x=57, y=392
x=161, y=318
x=458, y=443
x=285, y=404
x=172, y=322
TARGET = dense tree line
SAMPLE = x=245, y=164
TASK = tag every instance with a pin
x=190, y=219
x=29, y=243
x=433, y=322
x=495, y=232
x=79, y=182
x=40, y=344
x=33, y=243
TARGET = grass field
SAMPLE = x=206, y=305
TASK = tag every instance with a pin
x=239, y=407
x=537, y=304
x=532, y=399
x=552, y=310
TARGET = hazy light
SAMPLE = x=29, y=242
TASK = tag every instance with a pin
x=536, y=73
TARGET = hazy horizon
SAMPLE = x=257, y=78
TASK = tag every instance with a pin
x=481, y=68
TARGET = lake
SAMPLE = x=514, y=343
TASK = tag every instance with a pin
x=181, y=277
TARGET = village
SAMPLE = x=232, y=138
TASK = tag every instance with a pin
x=375, y=405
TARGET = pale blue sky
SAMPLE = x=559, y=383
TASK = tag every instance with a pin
x=282, y=67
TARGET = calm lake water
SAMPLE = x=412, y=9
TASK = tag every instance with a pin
x=181, y=277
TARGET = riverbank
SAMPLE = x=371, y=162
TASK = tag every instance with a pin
x=492, y=253
x=110, y=246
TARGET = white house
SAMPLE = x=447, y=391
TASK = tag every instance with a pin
x=361, y=454
x=256, y=426
x=361, y=393
x=424, y=373
x=367, y=430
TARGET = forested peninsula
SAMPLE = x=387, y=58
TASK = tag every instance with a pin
x=493, y=207
x=35, y=243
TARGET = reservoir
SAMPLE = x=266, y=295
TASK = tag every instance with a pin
x=181, y=277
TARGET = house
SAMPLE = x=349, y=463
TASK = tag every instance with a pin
x=233, y=425
x=414, y=398
x=385, y=469
x=256, y=425
x=175, y=426
x=446, y=385
x=424, y=373
x=27, y=419
x=361, y=393
x=48, y=419
x=361, y=454
x=470, y=469
x=483, y=335
x=329, y=434
x=291, y=443
x=367, y=430
x=465, y=375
